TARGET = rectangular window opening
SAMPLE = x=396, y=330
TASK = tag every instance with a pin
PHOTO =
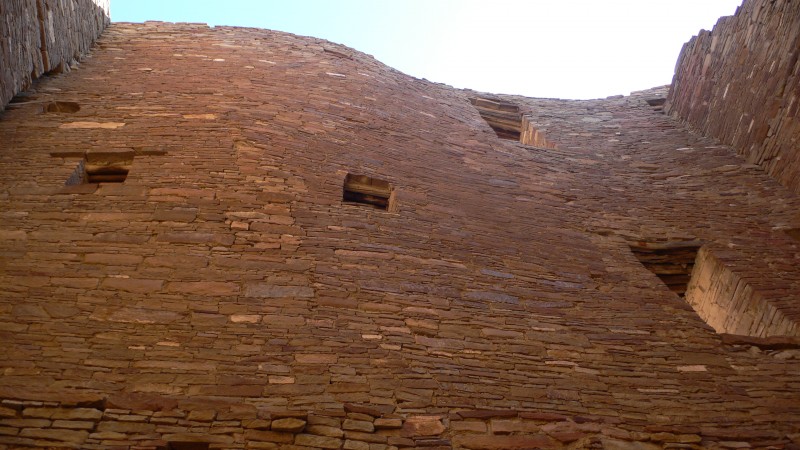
x=672, y=262
x=794, y=233
x=503, y=117
x=102, y=167
x=509, y=123
x=364, y=190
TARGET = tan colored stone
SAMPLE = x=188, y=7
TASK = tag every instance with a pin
x=288, y=424
x=314, y=441
x=423, y=426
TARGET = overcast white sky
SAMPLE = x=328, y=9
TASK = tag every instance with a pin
x=538, y=48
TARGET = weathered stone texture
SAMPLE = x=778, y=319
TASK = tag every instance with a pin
x=740, y=83
x=225, y=293
x=41, y=36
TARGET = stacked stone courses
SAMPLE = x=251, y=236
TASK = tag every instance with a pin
x=224, y=295
x=740, y=83
x=45, y=36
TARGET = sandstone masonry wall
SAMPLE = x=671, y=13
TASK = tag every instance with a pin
x=41, y=36
x=740, y=83
x=226, y=293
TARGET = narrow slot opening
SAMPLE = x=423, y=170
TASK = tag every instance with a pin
x=187, y=446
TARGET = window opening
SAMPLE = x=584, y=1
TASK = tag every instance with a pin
x=672, y=262
x=62, y=107
x=504, y=117
x=509, y=123
x=102, y=167
x=657, y=103
x=364, y=190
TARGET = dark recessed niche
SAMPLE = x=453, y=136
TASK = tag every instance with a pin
x=368, y=191
x=672, y=262
x=794, y=233
x=62, y=107
x=102, y=167
x=657, y=103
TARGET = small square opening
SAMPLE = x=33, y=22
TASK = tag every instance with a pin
x=368, y=191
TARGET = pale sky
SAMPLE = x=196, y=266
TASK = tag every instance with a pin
x=537, y=48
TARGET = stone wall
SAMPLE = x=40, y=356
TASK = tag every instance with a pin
x=219, y=282
x=728, y=304
x=45, y=36
x=740, y=83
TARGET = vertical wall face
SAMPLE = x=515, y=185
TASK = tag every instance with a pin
x=740, y=83
x=728, y=303
x=40, y=36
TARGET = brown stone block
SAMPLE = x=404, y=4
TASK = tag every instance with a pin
x=274, y=197
x=355, y=445
x=469, y=425
x=212, y=288
x=192, y=237
x=257, y=424
x=423, y=426
x=504, y=426
x=267, y=290
x=314, y=441
x=269, y=436
x=227, y=391
x=27, y=311
x=78, y=283
x=6, y=412
x=126, y=427
x=358, y=425
x=26, y=423
x=147, y=402
x=199, y=437
x=112, y=259
x=316, y=358
x=175, y=215
x=183, y=192
x=134, y=315
x=325, y=430
x=72, y=436
x=616, y=444
x=8, y=431
x=478, y=442
x=138, y=286
x=74, y=424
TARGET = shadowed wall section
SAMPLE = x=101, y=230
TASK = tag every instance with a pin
x=45, y=36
